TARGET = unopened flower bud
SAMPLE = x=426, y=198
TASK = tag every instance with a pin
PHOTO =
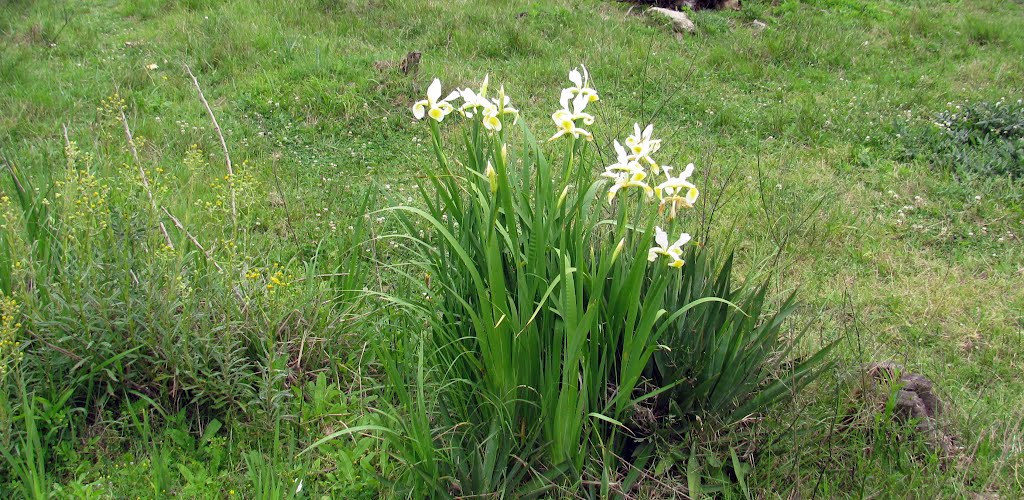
x=618, y=249
x=561, y=198
x=492, y=177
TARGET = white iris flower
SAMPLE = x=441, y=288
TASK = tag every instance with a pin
x=624, y=162
x=627, y=179
x=581, y=86
x=496, y=110
x=431, y=106
x=565, y=118
x=473, y=101
x=491, y=120
x=641, y=145
x=503, y=105
x=677, y=191
x=673, y=252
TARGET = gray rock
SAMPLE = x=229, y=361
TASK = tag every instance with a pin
x=680, y=21
x=916, y=401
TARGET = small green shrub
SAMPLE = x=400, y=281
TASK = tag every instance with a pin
x=981, y=138
x=108, y=300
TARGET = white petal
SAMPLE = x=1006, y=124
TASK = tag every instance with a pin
x=687, y=173
x=579, y=103
x=683, y=239
x=453, y=95
x=691, y=195
x=586, y=74
x=648, y=131
x=660, y=237
x=434, y=90
x=619, y=150
x=492, y=122
x=612, y=190
x=558, y=134
x=574, y=77
x=418, y=109
x=564, y=98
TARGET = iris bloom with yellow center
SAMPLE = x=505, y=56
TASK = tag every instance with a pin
x=474, y=101
x=496, y=110
x=677, y=191
x=565, y=119
x=431, y=106
x=627, y=179
x=581, y=86
x=673, y=252
x=641, y=145
x=625, y=162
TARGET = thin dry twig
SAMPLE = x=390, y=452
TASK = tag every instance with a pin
x=209, y=254
x=223, y=145
x=181, y=227
x=67, y=141
x=54, y=347
x=142, y=174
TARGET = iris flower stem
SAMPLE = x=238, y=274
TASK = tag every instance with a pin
x=570, y=154
x=435, y=133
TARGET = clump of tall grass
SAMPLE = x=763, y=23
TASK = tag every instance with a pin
x=542, y=295
x=724, y=363
x=108, y=301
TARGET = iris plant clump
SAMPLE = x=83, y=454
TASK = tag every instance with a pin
x=539, y=294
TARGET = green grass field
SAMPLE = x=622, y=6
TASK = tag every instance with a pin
x=801, y=128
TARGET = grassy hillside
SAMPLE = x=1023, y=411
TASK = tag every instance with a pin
x=807, y=127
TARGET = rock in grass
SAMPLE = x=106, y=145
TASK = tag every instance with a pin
x=680, y=21
x=410, y=64
x=916, y=401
